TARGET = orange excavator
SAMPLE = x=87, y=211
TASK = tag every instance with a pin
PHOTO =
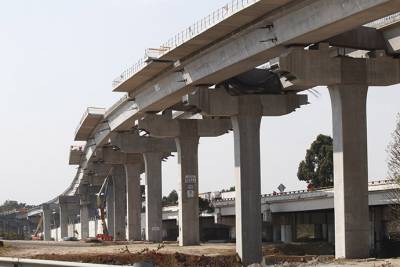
x=101, y=205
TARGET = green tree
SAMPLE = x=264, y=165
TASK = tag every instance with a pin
x=171, y=199
x=317, y=168
x=205, y=206
x=9, y=205
x=231, y=189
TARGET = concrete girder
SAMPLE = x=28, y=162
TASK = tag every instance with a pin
x=88, y=123
x=121, y=118
x=132, y=142
x=392, y=38
x=364, y=38
x=217, y=102
x=73, y=201
x=303, y=23
x=101, y=134
x=161, y=126
x=114, y=157
x=97, y=168
x=321, y=67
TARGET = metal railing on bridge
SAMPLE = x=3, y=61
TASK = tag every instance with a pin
x=320, y=191
x=195, y=29
x=383, y=22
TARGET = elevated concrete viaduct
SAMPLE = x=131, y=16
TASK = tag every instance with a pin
x=187, y=73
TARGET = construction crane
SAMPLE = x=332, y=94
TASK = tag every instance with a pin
x=36, y=235
x=101, y=205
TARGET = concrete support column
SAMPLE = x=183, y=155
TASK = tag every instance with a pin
x=133, y=201
x=350, y=170
x=64, y=220
x=276, y=235
x=318, y=231
x=217, y=216
x=119, y=187
x=187, y=146
x=246, y=129
x=46, y=215
x=325, y=231
x=110, y=207
x=331, y=233
x=84, y=210
x=286, y=233
x=153, y=196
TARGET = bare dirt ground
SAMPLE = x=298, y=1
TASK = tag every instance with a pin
x=170, y=254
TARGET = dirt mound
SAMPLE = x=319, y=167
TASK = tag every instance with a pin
x=300, y=249
x=273, y=253
x=158, y=259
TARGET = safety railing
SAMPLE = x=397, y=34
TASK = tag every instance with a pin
x=385, y=21
x=316, y=191
x=195, y=29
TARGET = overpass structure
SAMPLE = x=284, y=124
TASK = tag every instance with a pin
x=286, y=217
x=207, y=80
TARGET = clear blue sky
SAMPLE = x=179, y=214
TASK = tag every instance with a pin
x=57, y=57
